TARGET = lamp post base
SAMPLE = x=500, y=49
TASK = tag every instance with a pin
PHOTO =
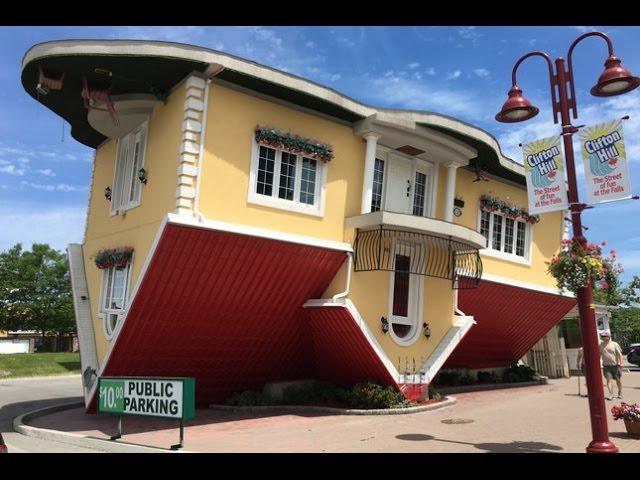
x=602, y=447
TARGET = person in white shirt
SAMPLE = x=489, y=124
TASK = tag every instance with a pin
x=612, y=362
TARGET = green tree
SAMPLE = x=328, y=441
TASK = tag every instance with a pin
x=625, y=320
x=35, y=291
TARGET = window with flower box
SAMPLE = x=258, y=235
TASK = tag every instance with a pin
x=286, y=180
x=507, y=237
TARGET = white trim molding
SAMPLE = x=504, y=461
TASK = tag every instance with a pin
x=191, y=146
x=259, y=232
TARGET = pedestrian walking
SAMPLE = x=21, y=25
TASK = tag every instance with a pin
x=580, y=366
x=612, y=362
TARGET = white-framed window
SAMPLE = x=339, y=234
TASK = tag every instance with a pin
x=286, y=180
x=378, y=184
x=405, y=294
x=126, y=192
x=114, y=296
x=507, y=238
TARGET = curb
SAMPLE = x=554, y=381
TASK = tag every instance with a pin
x=447, y=402
x=492, y=386
x=103, y=445
x=48, y=377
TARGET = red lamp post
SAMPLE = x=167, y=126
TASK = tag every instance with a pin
x=615, y=80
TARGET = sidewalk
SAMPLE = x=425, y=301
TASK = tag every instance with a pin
x=546, y=418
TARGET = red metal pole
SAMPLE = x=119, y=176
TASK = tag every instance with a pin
x=599, y=429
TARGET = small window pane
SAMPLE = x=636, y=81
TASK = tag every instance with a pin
x=508, y=235
x=308, y=181
x=401, y=286
x=287, y=176
x=378, y=177
x=520, y=238
x=497, y=232
x=266, y=162
x=484, y=223
x=418, y=196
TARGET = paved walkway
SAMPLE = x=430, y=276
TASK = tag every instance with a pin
x=546, y=418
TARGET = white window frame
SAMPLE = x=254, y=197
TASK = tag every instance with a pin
x=416, y=293
x=105, y=313
x=123, y=171
x=500, y=254
x=428, y=167
x=253, y=197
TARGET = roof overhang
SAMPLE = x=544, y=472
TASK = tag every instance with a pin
x=162, y=65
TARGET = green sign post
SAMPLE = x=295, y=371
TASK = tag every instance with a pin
x=145, y=396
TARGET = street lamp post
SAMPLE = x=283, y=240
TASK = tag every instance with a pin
x=615, y=80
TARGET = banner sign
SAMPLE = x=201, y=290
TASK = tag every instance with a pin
x=154, y=397
x=605, y=162
x=544, y=171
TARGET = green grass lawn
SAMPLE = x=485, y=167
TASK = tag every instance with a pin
x=38, y=364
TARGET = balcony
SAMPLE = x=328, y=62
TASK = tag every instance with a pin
x=434, y=248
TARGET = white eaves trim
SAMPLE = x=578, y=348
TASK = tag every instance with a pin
x=528, y=286
x=218, y=61
x=258, y=232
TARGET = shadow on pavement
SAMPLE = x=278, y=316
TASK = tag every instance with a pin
x=10, y=411
x=76, y=420
x=512, y=447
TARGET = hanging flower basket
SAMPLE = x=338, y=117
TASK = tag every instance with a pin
x=118, y=257
x=631, y=416
x=575, y=266
x=272, y=137
x=491, y=204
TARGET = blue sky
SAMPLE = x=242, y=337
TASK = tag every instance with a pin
x=461, y=71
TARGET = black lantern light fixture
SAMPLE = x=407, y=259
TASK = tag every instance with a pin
x=142, y=175
x=427, y=330
x=385, y=324
x=107, y=193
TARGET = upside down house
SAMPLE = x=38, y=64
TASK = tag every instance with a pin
x=246, y=226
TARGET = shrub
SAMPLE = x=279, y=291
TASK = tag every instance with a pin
x=249, y=398
x=447, y=378
x=373, y=395
x=487, y=377
x=467, y=379
x=313, y=393
x=518, y=373
x=433, y=394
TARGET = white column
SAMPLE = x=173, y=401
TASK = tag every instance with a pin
x=369, y=165
x=450, y=193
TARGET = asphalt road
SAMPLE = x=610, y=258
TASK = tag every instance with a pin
x=22, y=395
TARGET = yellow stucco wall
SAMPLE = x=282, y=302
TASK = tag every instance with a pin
x=369, y=292
x=138, y=227
x=231, y=122
x=546, y=234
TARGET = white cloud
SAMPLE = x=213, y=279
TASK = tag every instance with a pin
x=334, y=77
x=47, y=172
x=310, y=44
x=454, y=75
x=57, y=226
x=13, y=170
x=430, y=71
x=57, y=187
x=398, y=90
x=413, y=65
x=481, y=72
x=470, y=33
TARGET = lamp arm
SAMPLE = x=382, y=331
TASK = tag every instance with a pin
x=552, y=81
x=570, y=63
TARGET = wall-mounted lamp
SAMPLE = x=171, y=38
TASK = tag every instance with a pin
x=107, y=193
x=142, y=175
x=385, y=324
x=427, y=330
